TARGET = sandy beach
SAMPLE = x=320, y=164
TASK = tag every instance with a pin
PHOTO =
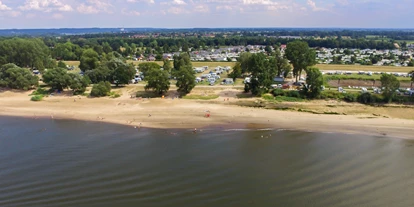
x=189, y=114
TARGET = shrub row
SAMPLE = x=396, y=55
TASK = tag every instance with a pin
x=364, y=98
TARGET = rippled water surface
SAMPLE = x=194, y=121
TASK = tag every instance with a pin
x=73, y=163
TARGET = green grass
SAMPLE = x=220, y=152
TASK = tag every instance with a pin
x=245, y=95
x=201, y=97
x=373, y=68
x=147, y=94
x=36, y=98
x=114, y=94
x=270, y=97
x=40, y=91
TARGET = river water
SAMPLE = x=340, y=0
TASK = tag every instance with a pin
x=73, y=163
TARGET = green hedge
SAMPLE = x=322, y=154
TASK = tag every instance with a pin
x=36, y=98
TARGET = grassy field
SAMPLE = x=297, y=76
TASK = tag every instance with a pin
x=361, y=77
x=407, y=41
x=327, y=67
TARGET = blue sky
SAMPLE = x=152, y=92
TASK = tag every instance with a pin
x=206, y=13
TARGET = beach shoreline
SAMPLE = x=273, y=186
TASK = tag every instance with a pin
x=190, y=114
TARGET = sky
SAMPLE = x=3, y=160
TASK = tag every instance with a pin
x=23, y=14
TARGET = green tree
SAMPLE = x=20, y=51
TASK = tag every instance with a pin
x=100, y=74
x=236, y=72
x=121, y=72
x=390, y=84
x=244, y=61
x=300, y=56
x=182, y=60
x=167, y=65
x=57, y=78
x=30, y=52
x=281, y=64
x=15, y=77
x=158, y=80
x=183, y=71
x=89, y=60
x=262, y=72
x=148, y=66
x=314, y=82
x=185, y=79
x=101, y=89
x=78, y=83
x=61, y=64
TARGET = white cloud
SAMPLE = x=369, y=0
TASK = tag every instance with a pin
x=179, y=2
x=87, y=9
x=313, y=6
x=259, y=2
x=130, y=13
x=177, y=10
x=147, y=1
x=57, y=16
x=4, y=7
x=45, y=5
x=95, y=6
x=224, y=7
x=201, y=9
x=343, y=2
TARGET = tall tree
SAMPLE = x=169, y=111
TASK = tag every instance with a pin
x=15, y=77
x=57, y=78
x=244, y=61
x=182, y=60
x=184, y=73
x=281, y=64
x=89, y=60
x=390, y=85
x=236, y=72
x=262, y=73
x=121, y=72
x=78, y=83
x=158, y=80
x=30, y=52
x=300, y=56
x=145, y=67
x=185, y=79
x=167, y=65
x=314, y=82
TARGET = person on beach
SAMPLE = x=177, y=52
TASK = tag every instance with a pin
x=195, y=130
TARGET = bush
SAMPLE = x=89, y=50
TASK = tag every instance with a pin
x=278, y=92
x=368, y=98
x=36, y=98
x=268, y=96
x=114, y=95
x=101, y=89
x=351, y=97
x=331, y=95
x=288, y=99
x=40, y=91
x=294, y=94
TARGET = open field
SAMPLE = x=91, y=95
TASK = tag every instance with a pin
x=326, y=67
x=407, y=41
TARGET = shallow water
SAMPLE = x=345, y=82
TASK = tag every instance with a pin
x=74, y=163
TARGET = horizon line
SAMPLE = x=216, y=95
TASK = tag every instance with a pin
x=188, y=28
